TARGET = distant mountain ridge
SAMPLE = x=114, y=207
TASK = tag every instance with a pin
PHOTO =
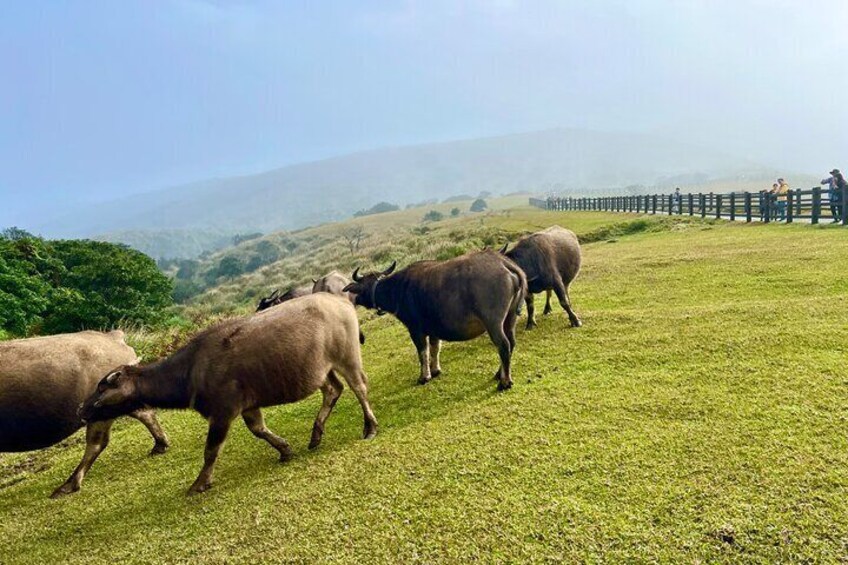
x=306, y=194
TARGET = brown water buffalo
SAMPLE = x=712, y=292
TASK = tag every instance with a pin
x=236, y=368
x=276, y=298
x=454, y=300
x=551, y=260
x=44, y=380
x=333, y=282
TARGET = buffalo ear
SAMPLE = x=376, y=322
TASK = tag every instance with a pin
x=314, y=281
x=349, y=287
x=503, y=249
x=112, y=377
x=391, y=269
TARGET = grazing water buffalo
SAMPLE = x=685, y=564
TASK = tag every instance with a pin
x=44, y=380
x=333, y=282
x=276, y=298
x=239, y=366
x=551, y=260
x=454, y=300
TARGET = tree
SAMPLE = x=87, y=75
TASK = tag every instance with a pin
x=455, y=212
x=230, y=266
x=378, y=208
x=353, y=236
x=104, y=284
x=15, y=233
x=478, y=205
x=242, y=237
x=433, y=216
x=187, y=269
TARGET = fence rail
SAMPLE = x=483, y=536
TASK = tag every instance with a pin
x=811, y=205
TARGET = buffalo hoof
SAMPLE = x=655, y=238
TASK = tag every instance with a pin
x=504, y=386
x=198, y=488
x=286, y=456
x=370, y=432
x=436, y=373
x=576, y=323
x=64, y=490
x=423, y=381
x=159, y=449
x=547, y=311
x=530, y=325
x=317, y=434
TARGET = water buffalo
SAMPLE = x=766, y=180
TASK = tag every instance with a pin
x=333, y=282
x=454, y=300
x=44, y=380
x=276, y=298
x=551, y=260
x=237, y=367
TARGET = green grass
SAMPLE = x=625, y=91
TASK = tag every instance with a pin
x=700, y=415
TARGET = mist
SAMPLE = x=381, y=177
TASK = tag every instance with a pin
x=104, y=99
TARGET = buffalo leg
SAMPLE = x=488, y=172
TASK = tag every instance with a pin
x=509, y=328
x=420, y=341
x=332, y=390
x=435, y=349
x=256, y=424
x=358, y=381
x=501, y=341
x=218, y=430
x=531, y=311
x=147, y=417
x=565, y=302
x=96, y=440
x=548, y=308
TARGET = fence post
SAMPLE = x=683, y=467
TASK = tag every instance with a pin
x=732, y=206
x=718, y=205
x=690, y=198
x=768, y=202
x=748, y=207
x=844, y=205
x=789, y=205
x=798, y=202
x=816, y=211
x=702, y=200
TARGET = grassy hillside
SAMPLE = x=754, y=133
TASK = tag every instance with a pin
x=699, y=415
x=401, y=236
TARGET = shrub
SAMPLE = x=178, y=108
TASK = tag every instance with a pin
x=455, y=212
x=478, y=205
x=378, y=208
x=433, y=216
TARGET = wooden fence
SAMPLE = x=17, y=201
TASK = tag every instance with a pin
x=810, y=205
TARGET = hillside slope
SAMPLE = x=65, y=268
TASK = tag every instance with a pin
x=699, y=415
x=310, y=193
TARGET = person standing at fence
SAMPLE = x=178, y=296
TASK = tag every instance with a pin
x=782, y=194
x=835, y=184
x=678, y=201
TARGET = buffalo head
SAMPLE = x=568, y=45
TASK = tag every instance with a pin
x=115, y=396
x=364, y=286
x=271, y=300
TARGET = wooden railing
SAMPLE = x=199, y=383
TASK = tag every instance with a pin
x=812, y=205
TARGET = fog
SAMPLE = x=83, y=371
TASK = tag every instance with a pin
x=104, y=99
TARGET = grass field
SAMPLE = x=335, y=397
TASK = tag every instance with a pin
x=699, y=415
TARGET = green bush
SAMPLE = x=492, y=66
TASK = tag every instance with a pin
x=479, y=205
x=67, y=286
x=433, y=216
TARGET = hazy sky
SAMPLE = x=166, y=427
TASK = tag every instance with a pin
x=101, y=99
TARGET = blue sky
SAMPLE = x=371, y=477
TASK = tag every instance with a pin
x=103, y=99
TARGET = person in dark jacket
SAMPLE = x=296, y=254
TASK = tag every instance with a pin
x=835, y=184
